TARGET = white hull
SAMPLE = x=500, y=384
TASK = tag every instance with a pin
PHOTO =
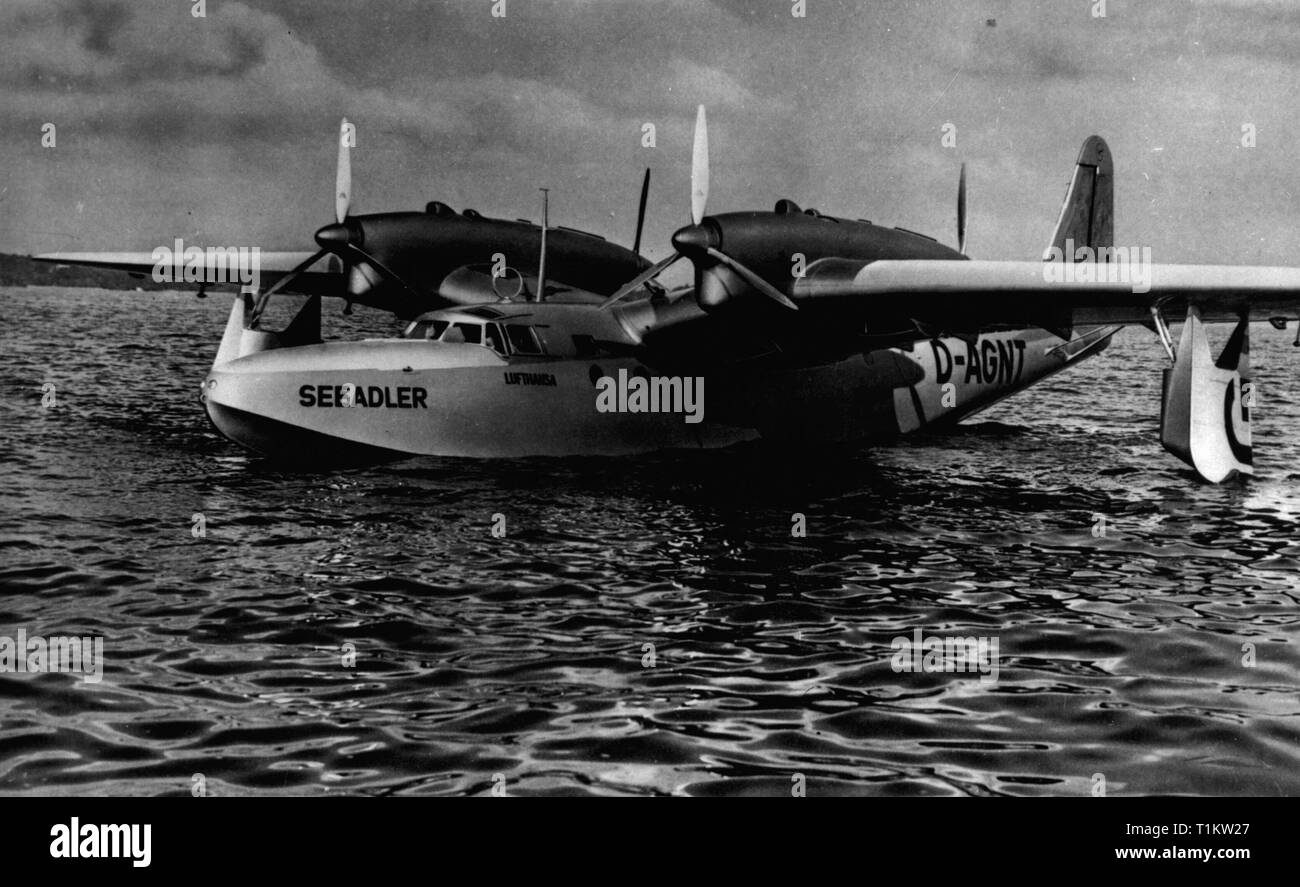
x=389, y=398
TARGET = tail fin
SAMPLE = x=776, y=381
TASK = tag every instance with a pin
x=1088, y=215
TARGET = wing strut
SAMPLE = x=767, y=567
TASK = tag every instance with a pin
x=1162, y=330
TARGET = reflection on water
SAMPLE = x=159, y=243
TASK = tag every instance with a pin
x=646, y=625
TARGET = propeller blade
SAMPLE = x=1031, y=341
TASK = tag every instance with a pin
x=280, y=284
x=640, y=213
x=288, y=278
x=753, y=279
x=961, y=211
x=343, y=174
x=361, y=279
x=700, y=168
x=386, y=271
x=640, y=280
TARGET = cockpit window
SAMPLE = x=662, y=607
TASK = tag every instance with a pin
x=505, y=341
x=471, y=333
x=522, y=339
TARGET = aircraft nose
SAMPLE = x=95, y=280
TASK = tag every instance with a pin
x=694, y=241
x=337, y=236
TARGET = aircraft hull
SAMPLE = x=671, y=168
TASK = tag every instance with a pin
x=890, y=392
x=420, y=398
x=960, y=378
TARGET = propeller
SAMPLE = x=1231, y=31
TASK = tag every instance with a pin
x=699, y=242
x=961, y=211
x=331, y=237
x=640, y=213
x=347, y=239
x=343, y=238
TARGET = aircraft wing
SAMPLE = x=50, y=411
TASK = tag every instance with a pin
x=992, y=293
x=844, y=304
x=217, y=270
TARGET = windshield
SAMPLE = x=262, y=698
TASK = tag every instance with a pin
x=504, y=339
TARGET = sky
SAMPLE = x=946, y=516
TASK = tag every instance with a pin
x=221, y=129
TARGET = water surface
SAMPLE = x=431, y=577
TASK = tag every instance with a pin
x=522, y=660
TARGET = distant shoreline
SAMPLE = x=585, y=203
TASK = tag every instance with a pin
x=16, y=270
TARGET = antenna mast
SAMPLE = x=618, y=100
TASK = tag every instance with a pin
x=541, y=262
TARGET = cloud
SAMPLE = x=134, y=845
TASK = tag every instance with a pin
x=166, y=120
x=151, y=67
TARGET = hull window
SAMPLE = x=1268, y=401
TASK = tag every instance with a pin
x=523, y=340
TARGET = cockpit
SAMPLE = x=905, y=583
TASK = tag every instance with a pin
x=506, y=339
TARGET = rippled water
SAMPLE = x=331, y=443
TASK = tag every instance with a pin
x=520, y=660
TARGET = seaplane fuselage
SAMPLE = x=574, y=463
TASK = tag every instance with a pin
x=561, y=379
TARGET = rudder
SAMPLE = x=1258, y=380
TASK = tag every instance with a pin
x=1088, y=214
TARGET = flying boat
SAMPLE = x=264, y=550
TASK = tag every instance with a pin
x=797, y=326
